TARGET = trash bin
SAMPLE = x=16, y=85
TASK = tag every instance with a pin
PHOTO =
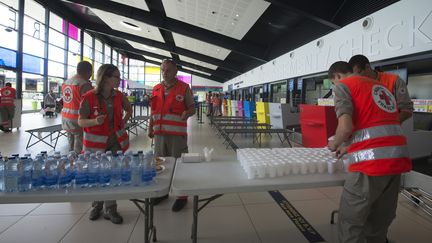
x=34, y=105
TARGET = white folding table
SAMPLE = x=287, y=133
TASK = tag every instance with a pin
x=220, y=177
x=132, y=193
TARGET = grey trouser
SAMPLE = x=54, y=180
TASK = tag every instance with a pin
x=75, y=141
x=367, y=207
x=170, y=145
x=109, y=205
x=7, y=113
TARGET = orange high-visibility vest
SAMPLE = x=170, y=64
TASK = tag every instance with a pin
x=388, y=80
x=167, y=111
x=378, y=146
x=7, y=96
x=71, y=95
x=95, y=138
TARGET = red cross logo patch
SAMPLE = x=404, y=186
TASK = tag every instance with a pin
x=384, y=98
x=67, y=94
x=7, y=92
x=179, y=98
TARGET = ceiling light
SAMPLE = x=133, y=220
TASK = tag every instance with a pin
x=149, y=47
x=237, y=15
x=130, y=25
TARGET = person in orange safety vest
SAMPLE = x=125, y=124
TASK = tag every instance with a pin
x=172, y=103
x=72, y=91
x=393, y=82
x=101, y=116
x=377, y=155
x=7, y=107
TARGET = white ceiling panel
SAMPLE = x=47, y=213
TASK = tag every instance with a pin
x=194, y=70
x=134, y=3
x=152, y=59
x=232, y=18
x=196, y=62
x=130, y=26
x=143, y=47
x=200, y=46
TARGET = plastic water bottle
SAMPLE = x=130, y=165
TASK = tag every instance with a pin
x=2, y=175
x=65, y=172
x=126, y=170
x=98, y=155
x=93, y=171
x=87, y=155
x=51, y=173
x=136, y=171
x=72, y=157
x=44, y=155
x=25, y=170
x=152, y=164
x=116, y=171
x=11, y=175
x=104, y=171
x=81, y=172
x=147, y=174
x=109, y=155
x=37, y=176
x=57, y=155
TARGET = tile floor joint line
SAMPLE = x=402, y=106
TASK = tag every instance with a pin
x=11, y=225
x=253, y=225
x=70, y=228
x=133, y=228
x=308, y=231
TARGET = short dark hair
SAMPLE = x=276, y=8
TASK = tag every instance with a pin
x=84, y=67
x=360, y=61
x=8, y=84
x=339, y=67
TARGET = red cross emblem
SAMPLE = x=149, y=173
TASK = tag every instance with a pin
x=384, y=96
x=67, y=95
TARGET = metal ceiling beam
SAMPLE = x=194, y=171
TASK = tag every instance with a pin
x=287, y=6
x=160, y=45
x=159, y=20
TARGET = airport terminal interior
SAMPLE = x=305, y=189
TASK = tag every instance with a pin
x=266, y=60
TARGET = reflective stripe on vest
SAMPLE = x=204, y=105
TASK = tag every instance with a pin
x=169, y=128
x=172, y=117
x=390, y=152
x=376, y=132
x=95, y=138
x=156, y=117
x=70, y=111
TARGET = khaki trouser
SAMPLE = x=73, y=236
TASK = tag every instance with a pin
x=75, y=141
x=170, y=145
x=367, y=207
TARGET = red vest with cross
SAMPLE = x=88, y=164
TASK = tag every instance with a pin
x=95, y=138
x=7, y=96
x=167, y=111
x=71, y=94
x=378, y=146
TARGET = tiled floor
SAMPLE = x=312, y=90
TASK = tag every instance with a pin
x=236, y=218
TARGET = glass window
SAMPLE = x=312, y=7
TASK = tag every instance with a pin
x=55, y=53
x=56, y=38
x=33, y=46
x=7, y=58
x=34, y=28
x=98, y=45
x=88, y=52
x=55, y=84
x=98, y=56
x=107, y=54
x=32, y=91
x=35, y=10
x=55, y=69
x=73, y=59
x=56, y=22
x=96, y=67
x=74, y=46
x=7, y=76
x=8, y=16
x=32, y=64
x=71, y=71
x=74, y=32
x=11, y=3
x=152, y=74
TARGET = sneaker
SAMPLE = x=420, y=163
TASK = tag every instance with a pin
x=179, y=204
x=155, y=201
x=95, y=213
x=113, y=216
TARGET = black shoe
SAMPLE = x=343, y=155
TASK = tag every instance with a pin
x=113, y=216
x=7, y=130
x=179, y=204
x=2, y=128
x=95, y=213
x=155, y=201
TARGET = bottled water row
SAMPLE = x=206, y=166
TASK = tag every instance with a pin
x=264, y=163
x=76, y=171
